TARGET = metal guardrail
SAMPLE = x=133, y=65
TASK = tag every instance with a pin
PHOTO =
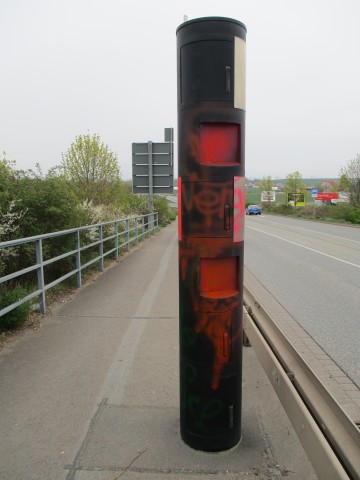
x=331, y=439
x=123, y=233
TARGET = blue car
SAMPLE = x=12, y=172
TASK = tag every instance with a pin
x=253, y=210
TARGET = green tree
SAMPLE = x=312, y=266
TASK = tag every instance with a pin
x=266, y=184
x=350, y=179
x=294, y=187
x=50, y=204
x=7, y=182
x=10, y=218
x=93, y=168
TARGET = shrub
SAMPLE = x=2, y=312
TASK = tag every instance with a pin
x=139, y=205
x=15, y=318
x=282, y=208
x=343, y=212
x=50, y=205
x=348, y=212
x=166, y=214
x=308, y=210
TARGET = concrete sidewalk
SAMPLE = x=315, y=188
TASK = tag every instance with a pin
x=94, y=393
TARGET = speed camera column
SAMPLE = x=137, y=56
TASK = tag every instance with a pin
x=211, y=190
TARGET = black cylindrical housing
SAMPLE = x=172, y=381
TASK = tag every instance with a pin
x=211, y=190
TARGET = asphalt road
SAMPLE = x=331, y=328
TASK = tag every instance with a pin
x=313, y=270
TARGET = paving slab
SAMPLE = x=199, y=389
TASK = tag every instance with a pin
x=94, y=393
x=133, y=441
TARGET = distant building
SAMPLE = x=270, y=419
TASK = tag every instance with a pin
x=329, y=186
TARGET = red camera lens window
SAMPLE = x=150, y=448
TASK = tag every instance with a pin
x=219, y=143
x=219, y=277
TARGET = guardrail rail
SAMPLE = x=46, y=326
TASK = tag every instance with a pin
x=123, y=233
x=331, y=439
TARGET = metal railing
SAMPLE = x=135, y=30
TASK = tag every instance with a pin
x=331, y=439
x=107, y=238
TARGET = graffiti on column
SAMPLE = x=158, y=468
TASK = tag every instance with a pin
x=211, y=233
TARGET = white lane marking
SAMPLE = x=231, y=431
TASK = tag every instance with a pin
x=314, y=231
x=307, y=248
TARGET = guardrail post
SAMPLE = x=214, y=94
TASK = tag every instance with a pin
x=127, y=227
x=116, y=234
x=101, y=247
x=136, y=231
x=40, y=276
x=143, y=227
x=78, y=260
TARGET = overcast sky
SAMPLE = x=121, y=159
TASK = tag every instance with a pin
x=109, y=67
